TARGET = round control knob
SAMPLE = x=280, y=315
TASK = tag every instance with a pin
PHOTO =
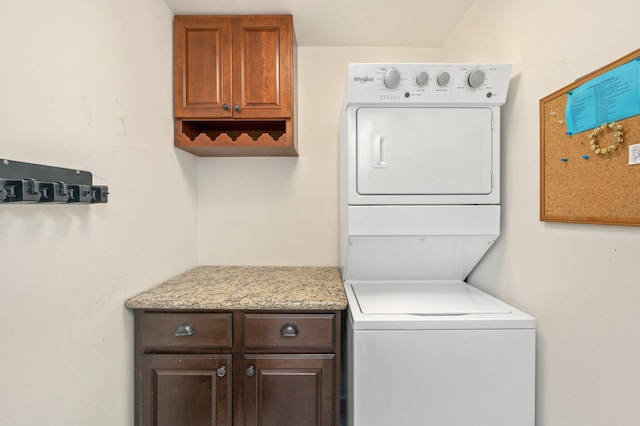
x=422, y=78
x=475, y=79
x=392, y=78
x=443, y=78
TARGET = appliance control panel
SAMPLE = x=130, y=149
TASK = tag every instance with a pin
x=434, y=83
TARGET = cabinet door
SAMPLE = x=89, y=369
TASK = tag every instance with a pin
x=193, y=390
x=289, y=390
x=263, y=67
x=202, y=67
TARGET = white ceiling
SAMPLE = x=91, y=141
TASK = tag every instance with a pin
x=393, y=23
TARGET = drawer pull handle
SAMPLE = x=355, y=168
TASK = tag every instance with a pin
x=221, y=371
x=251, y=371
x=185, y=330
x=289, y=330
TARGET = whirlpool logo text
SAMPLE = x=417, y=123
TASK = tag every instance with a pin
x=362, y=79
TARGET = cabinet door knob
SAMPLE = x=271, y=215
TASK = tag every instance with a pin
x=236, y=108
x=221, y=371
x=251, y=371
x=184, y=330
x=225, y=107
x=289, y=330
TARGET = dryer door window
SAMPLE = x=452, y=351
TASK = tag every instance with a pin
x=424, y=151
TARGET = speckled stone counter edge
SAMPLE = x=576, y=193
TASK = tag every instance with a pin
x=246, y=288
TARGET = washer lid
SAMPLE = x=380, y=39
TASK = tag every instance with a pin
x=430, y=298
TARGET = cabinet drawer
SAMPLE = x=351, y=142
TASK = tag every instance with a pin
x=185, y=331
x=312, y=331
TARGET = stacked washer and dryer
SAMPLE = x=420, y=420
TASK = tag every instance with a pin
x=419, y=207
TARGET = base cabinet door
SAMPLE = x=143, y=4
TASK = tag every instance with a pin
x=185, y=390
x=289, y=390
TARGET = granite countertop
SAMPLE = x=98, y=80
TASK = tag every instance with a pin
x=247, y=288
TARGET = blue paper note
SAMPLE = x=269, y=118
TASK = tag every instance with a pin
x=614, y=95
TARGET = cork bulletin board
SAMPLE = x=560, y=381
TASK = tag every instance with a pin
x=580, y=182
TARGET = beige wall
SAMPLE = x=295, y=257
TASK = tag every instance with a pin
x=284, y=211
x=93, y=92
x=86, y=84
x=579, y=281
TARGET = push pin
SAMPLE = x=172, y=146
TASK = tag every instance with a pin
x=564, y=160
x=586, y=157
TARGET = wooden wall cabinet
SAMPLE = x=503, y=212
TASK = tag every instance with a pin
x=234, y=85
x=237, y=368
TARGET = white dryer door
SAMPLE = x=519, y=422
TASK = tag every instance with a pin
x=424, y=151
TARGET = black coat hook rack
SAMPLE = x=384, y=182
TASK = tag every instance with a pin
x=35, y=183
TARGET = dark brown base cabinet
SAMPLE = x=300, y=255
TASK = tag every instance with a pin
x=239, y=368
x=185, y=390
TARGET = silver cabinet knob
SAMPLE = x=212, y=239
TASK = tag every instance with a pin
x=184, y=330
x=221, y=371
x=289, y=330
x=225, y=107
x=251, y=371
x=236, y=107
